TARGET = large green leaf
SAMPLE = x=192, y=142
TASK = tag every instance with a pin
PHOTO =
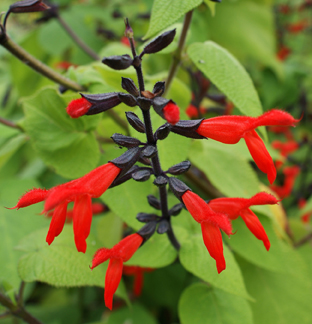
x=165, y=13
x=157, y=252
x=200, y=302
x=196, y=259
x=227, y=171
x=280, y=298
x=60, y=264
x=14, y=225
x=280, y=258
x=227, y=74
x=60, y=141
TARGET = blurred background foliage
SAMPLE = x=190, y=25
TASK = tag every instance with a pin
x=272, y=40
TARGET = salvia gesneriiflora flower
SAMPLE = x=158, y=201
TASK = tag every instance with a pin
x=214, y=217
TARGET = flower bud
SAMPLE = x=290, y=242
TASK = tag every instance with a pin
x=118, y=62
x=78, y=107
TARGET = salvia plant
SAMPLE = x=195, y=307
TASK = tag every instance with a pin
x=153, y=125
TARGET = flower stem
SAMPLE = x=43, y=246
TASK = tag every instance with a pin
x=9, y=123
x=157, y=170
x=35, y=64
x=18, y=310
x=77, y=39
x=178, y=53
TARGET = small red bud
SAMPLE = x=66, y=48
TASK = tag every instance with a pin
x=78, y=107
x=171, y=113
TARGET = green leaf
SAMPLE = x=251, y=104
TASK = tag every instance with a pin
x=134, y=314
x=60, y=264
x=157, y=252
x=60, y=140
x=212, y=6
x=223, y=69
x=10, y=147
x=280, y=298
x=14, y=225
x=129, y=199
x=227, y=171
x=166, y=13
x=196, y=259
x=199, y=302
x=280, y=258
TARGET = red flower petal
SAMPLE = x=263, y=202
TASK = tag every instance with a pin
x=112, y=279
x=100, y=256
x=82, y=219
x=57, y=222
x=31, y=197
x=171, y=113
x=78, y=107
x=260, y=154
x=213, y=241
x=127, y=247
x=255, y=227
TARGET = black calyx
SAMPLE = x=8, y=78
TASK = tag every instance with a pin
x=101, y=102
x=154, y=202
x=144, y=103
x=159, y=103
x=127, y=159
x=179, y=168
x=176, y=209
x=160, y=181
x=178, y=187
x=125, y=141
x=128, y=85
x=144, y=160
x=142, y=175
x=135, y=122
x=163, y=226
x=117, y=62
x=159, y=43
x=28, y=6
x=125, y=177
x=162, y=132
x=187, y=128
x=127, y=99
x=159, y=88
x=146, y=218
x=147, y=230
x=219, y=1
x=149, y=151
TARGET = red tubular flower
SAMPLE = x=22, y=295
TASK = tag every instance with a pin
x=283, y=53
x=297, y=27
x=138, y=273
x=171, y=113
x=124, y=40
x=235, y=207
x=230, y=129
x=118, y=254
x=211, y=223
x=291, y=174
x=64, y=65
x=78, y=107
x=97, y=208
x=305, y=218
x=285, y=148
x=192, y=111
x=91, y=185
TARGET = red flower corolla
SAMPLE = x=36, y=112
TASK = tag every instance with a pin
x=230, y=129
x=290, y=174
x=64, y=65
x=171, y=113
x=305, y=218
x=118, y=254
x=91, y=185
x=282, y=130
x=78, y=107
x=211, y=223
x=283, y=53
x=192, y=111
x=297, y=27
x=138, y=273
x=124, y=40
x=235, y=207
x=97, y=208
x=285, y=148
